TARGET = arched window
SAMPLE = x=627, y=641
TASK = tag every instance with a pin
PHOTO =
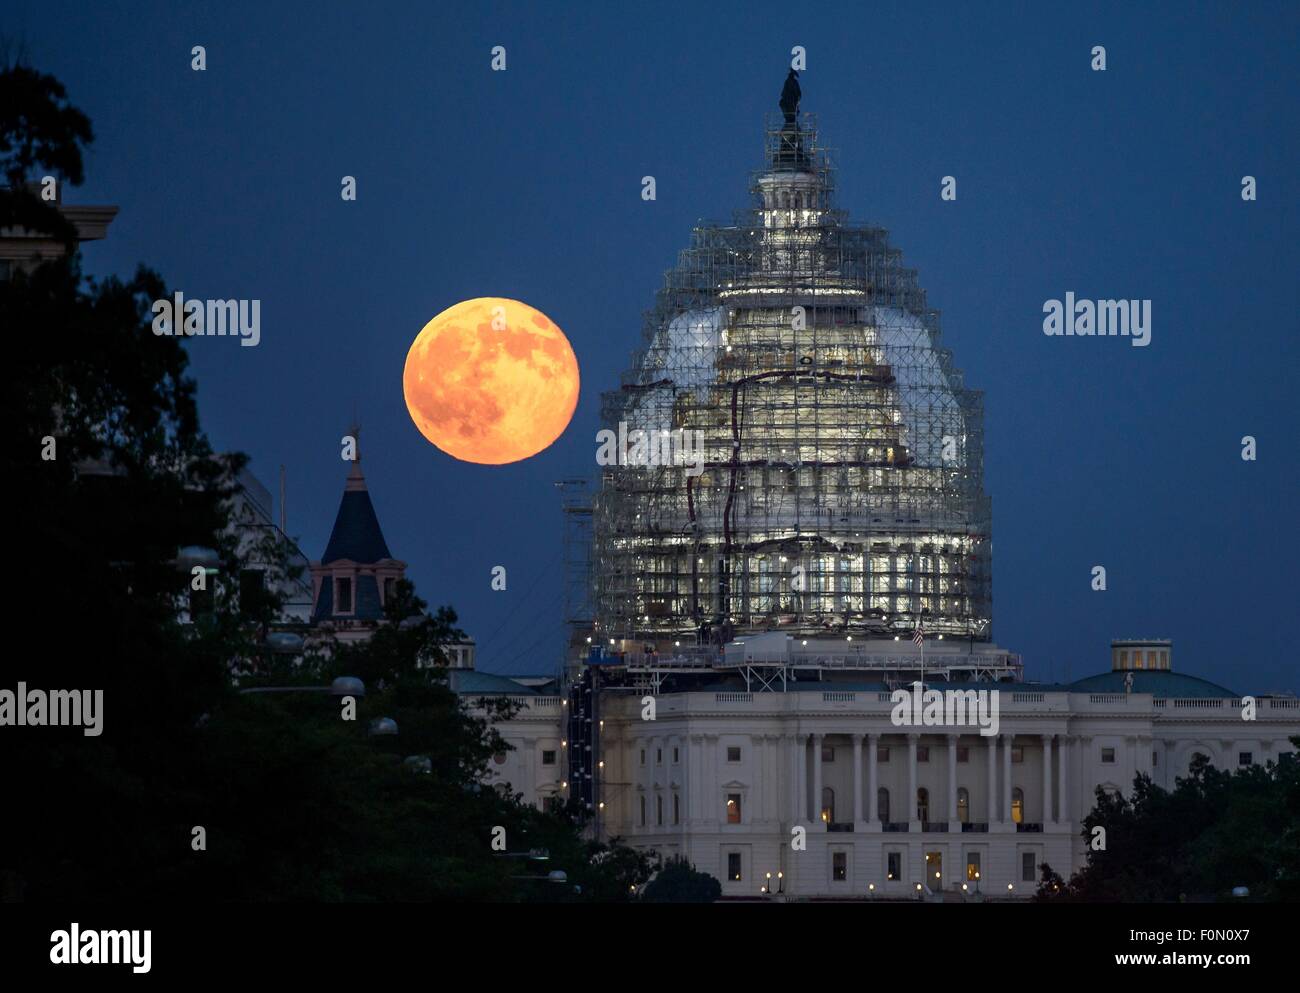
x=923, y=805
x=882, y=802
x=828, y=805
x=963, y=805
x=1018, y=805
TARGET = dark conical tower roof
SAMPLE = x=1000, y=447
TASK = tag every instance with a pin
x=356, y=535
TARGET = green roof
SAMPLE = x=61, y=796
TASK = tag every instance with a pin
x=1159, y=683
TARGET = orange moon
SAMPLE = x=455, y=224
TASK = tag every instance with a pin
x=491, y=381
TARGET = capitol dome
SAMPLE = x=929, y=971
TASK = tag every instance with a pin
x=837, y=483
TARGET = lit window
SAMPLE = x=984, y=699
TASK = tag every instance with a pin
x=733, y=808
x=972, y=866
x=1018, y=805
x=839, y=867
x=733, y=753
x=828, y=805
x=1108, y=756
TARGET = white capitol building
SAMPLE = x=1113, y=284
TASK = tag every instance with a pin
x=724, y=775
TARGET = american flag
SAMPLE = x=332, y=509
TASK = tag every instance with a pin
x=919, y=635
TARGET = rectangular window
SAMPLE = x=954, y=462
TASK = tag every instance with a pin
x=882, y=753
x=972, y=866
x=642, y=799
x=252, y=587
x=1155, y=758
x=1027, y=867
x=963, y=753
x=548, y=757
x=1017, y=753
x=343, y=596
x=643, y=756
x=676, y=758
x=1108, y=756
x=828, y=753
x=659, y=756
x=1244, y=758
x=677, y=808
x=894, y=861
x=659, y=811
x=390, y=587
x=733, y=866
x=839, y=866
x=733, y=753
x=733, y=808
x=923, y=753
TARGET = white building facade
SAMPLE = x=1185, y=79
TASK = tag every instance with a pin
x=815, y=783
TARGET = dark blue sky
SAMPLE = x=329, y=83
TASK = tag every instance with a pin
x=526, y=184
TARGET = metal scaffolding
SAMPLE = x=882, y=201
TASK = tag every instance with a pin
x=795, y=450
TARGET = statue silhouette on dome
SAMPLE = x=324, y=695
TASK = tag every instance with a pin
x=790, y=94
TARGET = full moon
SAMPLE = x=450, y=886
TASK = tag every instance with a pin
x=491, y=381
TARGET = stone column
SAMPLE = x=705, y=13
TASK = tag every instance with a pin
x=857, y=782
x=803, y=779
x=694, y=778
x=873, y=800
x=912, y=823
x=994, y=810
x=818, y=823
x=796, y=779
x=954, y=822
x=712, y=800
x=1006, y=778
x=1063, y=806
x=1047, y=780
